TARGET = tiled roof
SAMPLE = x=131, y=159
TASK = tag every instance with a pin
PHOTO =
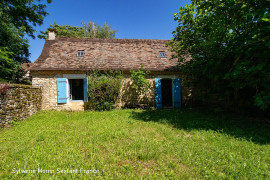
x=26, y=66
x=115, y=54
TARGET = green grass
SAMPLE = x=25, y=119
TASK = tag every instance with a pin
x=133, y=144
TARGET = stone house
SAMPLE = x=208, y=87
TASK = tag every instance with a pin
x=61, y=71
x=26, y=71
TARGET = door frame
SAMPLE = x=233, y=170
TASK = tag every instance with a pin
x=171, y=77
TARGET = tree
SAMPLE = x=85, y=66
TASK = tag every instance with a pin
x=8, y=66
x=228, y=42
x=89, y=30
x=18, y=18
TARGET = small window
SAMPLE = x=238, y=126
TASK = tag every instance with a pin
x=162, y=54
x=80, y=53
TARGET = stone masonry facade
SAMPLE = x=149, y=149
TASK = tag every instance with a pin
x=129, y=98
x=47, y=81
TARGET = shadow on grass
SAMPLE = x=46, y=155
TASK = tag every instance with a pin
x=188, y=119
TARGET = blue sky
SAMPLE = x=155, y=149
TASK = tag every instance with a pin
x=133, y=19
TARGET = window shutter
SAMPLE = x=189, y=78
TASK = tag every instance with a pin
x=158, y=96
x=61, y=90
x=85, y=89
x=177, y=92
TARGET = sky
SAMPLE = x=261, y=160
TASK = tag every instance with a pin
x=133, y=19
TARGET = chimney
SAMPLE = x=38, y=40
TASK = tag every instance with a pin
x=51, y=34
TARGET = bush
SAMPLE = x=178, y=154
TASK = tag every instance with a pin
x=140, y=83
x=103, y=90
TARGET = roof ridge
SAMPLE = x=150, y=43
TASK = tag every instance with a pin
x=109, y=39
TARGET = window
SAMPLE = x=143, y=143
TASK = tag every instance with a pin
x=80, y=53
x=76, y=89
x=162, y=54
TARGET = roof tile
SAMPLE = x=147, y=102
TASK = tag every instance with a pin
x=115, y=54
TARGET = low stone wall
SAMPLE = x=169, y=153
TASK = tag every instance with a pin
x=18, y=102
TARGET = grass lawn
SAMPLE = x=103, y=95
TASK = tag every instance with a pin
x=132, y=144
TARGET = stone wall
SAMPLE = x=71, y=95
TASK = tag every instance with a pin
x=18, y=102
x=129, y=98
x=47, y=81
x=48, y=84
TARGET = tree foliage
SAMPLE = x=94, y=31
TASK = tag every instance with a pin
x=18, y=18
x=89, y=30
x=7, y=65
x=228, y=41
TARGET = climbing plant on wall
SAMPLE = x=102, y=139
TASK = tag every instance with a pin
x=140, y=83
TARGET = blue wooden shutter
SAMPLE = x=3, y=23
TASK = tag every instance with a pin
x=85, y=89
x=61, y=90
x=158, y=96
x=177, y=92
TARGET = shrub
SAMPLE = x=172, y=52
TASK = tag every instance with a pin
x=140, y=83
x=103, y=90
